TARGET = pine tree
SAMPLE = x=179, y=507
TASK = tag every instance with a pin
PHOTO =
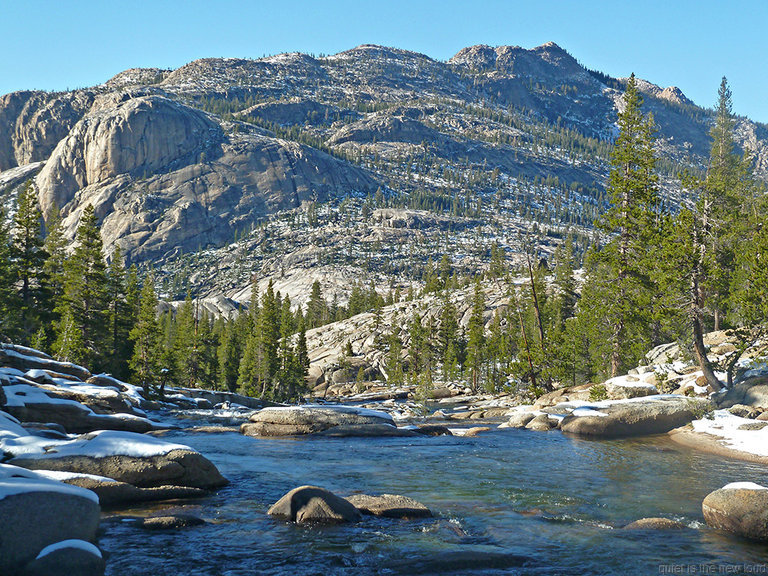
x=29, y=257
x=86, y=300
x=120, y=318
x=146, y=336
x=620, y=293
x=9, y=298
x=476, y=335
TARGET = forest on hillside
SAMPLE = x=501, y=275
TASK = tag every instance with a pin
x=650, y=275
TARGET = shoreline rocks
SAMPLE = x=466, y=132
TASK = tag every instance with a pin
x=740, y=508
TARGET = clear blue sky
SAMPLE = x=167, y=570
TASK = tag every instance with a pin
x=59, y=44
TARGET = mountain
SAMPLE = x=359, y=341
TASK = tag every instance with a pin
x=496, y=144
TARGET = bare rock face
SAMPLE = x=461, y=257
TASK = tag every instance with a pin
x=307, y=504
x=740, y=508
x=133, y=136
x=37, y=122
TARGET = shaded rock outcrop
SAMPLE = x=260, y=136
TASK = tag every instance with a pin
x=307, y=504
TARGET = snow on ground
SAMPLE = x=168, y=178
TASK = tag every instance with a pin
x=22, y=394
x=62, y=476
x=64, y=544
x=725, y=426
x=15, y=480
x=338, y=408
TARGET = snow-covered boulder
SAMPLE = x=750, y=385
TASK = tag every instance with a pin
x=67, y=558
x=634, y=417
x=623, y=387
x=740, y=508
x=30, y=403
x=311, y=419
x=26, y=359
x=307, y=504
x=143, y=461
x=37, y=512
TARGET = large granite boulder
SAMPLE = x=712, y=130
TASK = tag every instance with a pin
x=740, y=508
x=37, y=512
x=636, y=417
x=311, y=419
x=389, y=506
x=143, y=461
x=307, y=504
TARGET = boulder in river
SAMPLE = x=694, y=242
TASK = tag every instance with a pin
x=740, y=508
x=311, y=419
x=390, y=506
x=655, y=524
x=636, y=417
x=307, y=504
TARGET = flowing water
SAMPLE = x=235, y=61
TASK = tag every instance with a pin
x=505, y=502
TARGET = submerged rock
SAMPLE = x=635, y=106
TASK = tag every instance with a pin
x=655, y=524
x=740, y=508
x=311, y=419
x=313, y=504
x=171, y=522
x=389, y=506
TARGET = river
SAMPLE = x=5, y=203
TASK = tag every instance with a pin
x=505, y=502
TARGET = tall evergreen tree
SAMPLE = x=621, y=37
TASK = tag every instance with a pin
x=121, y=319
x=476, y=335
x=29, y=257
x=85, y=300
x=619, y=276
x=9, y=298
x=146, y=336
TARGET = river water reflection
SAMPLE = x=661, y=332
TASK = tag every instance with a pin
x=506, y=502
